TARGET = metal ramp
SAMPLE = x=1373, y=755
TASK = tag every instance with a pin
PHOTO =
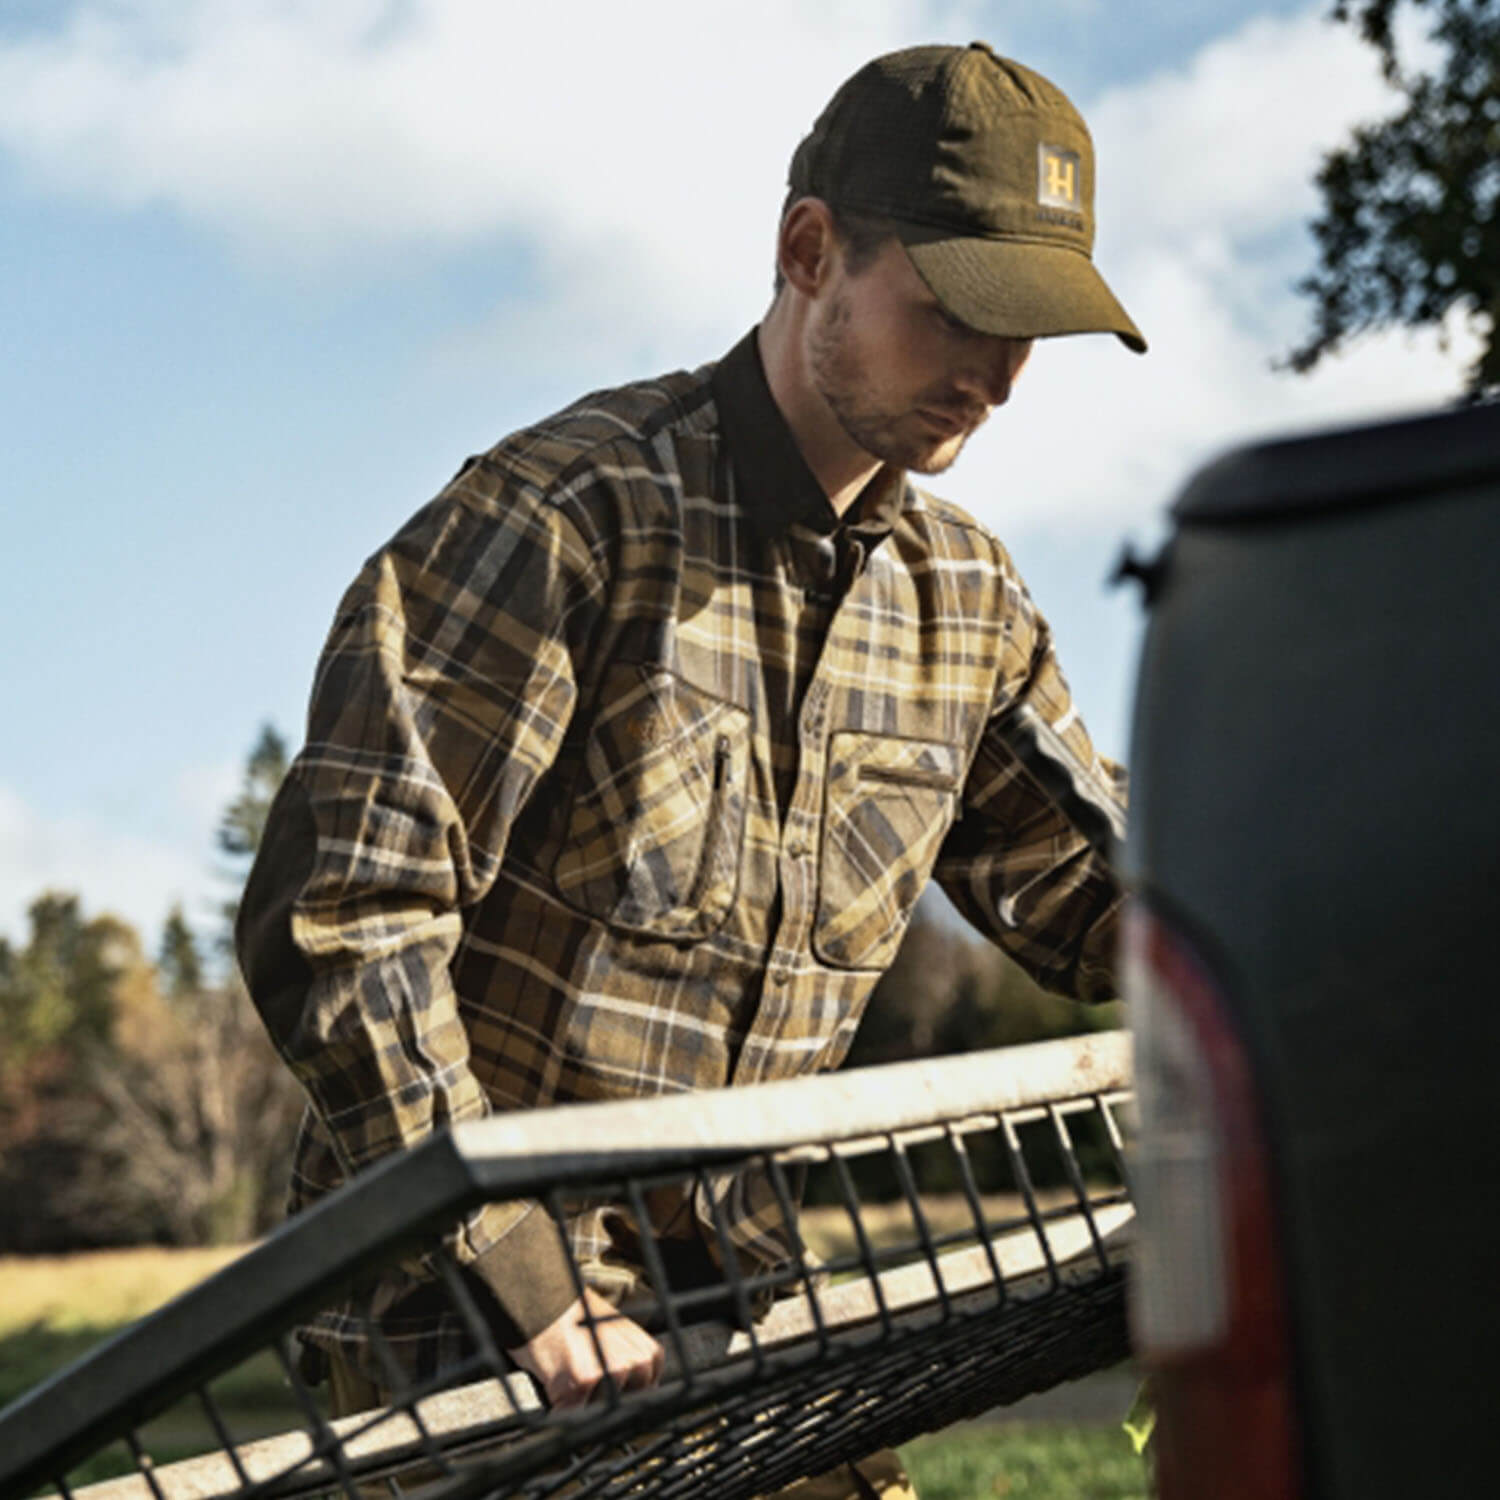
x=977, y=1220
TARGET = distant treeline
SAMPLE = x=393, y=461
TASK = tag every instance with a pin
x=140, y=1100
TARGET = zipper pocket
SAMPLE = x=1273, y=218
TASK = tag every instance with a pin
x=713, y=834
x=942, y=781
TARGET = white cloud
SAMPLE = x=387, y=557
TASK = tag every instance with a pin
x=1205, y=181
x=1094, y=438
x=114, y=872
x=642, y=143
x=202, y=792
x=637, y=155
x=1227, y=144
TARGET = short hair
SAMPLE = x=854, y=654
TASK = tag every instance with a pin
x=862, y=235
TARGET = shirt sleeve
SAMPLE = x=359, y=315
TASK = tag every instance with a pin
x=442, y=695
x=1029, y=861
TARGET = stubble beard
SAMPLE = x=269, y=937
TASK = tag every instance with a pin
x=890, y=437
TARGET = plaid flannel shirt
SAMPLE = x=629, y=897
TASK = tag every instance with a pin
x=626, y=762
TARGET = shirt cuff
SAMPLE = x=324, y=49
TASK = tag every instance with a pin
x=529, y=1279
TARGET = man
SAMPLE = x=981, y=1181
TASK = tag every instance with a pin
x=630, y=754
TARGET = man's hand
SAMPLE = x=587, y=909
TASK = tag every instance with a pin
x=564, y=1358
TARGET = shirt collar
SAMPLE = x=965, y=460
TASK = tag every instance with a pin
x=777, y=490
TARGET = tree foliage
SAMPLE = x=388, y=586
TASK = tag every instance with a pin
x=142, y=1102
x=61, y=996
x=948, y=991
x=139, y=1102
x=195, y=1117
x=1409, y=230
x=179, y=962
x=59, y=989
x=244, y=822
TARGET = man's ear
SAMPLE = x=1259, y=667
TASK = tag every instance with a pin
x=806, y=247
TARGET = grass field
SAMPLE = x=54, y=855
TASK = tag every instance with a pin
x=981, y=1462
x=54, y=1309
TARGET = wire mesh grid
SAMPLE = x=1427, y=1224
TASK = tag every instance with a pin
x=950, y=1260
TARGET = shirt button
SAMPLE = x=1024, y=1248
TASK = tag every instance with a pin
x=780, y=977
x=797, y=849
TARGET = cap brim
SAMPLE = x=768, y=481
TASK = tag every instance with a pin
x=1018, y=288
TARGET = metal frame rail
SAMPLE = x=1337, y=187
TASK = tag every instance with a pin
x=895, y=1335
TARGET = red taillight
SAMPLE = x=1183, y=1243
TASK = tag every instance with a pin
x=1207, y=1308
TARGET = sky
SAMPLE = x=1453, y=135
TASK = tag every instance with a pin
x=269, y=271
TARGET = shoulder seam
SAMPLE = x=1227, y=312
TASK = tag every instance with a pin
x=675, y=408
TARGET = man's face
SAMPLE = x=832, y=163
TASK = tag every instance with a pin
x=907, y=382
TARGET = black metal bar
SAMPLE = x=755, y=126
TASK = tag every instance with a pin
x=1075, y=1179
x=1107, y=1104
x=398, y=1391
x=325, y=1441
x=146, y=1368
x=866, y=1250
x=611, y=1386
x=744, y=1393
x=656, y=1271
x=1022, y=1174
x=143, y=1464
x=221, y=1432
x=730, y=1259
x=472, y=1315
x=960, y=1151
x=919, y=1220
x=777, y=1174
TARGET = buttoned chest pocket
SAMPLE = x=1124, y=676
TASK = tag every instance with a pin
x=658, y=812
x=889, y=804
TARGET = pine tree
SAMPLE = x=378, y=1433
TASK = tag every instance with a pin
x=243, y=825
x=244, y=822
x=59, y=988
x=201, y=1110
x=179, y=961
x=139, y=1102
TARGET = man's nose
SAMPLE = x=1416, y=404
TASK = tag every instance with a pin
x=994, y=365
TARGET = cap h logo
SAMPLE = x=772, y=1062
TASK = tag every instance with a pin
x=1058, y=173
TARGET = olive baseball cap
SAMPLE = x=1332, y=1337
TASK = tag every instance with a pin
x=986, y=173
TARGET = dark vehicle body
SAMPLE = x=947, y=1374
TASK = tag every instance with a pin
x=1314, y=852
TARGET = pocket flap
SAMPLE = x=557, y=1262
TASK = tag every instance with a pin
x=889, y=802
